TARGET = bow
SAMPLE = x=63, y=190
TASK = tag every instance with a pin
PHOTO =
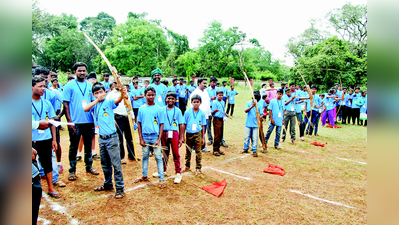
x=126, y=102
x=343, y=94
x=310, y=97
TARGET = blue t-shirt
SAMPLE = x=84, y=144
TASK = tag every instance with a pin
x=143, y=100
x=173, y=118
x=262, y=104
x=151, y=117
x=290, y=106
x=77, y=94
x=190, y=88
x=317, y=101
x=107, y=85
x=251, y=120
x=160, y=90
x=218, y=105
x=348, y=102
x=50, y=85
x=277, y=108
x=197, y=118
x=355, y=97
x=224, y=89
x=42, y=110
x=139, y=102
x=211, y=93
x=363, y=108
x=104, y=116
x=308, y=106
x=297, y=105
x=182, y=90
x=339, y=95
x=231, y=94
x=329, y=102
x=58, y=98
x=50, y=96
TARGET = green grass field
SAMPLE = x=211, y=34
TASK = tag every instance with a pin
x=263, y=198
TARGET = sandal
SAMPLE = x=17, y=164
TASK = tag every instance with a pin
x=255, y=154
x=119, y=194
x=216, y=154
x=72, y=177
x=162, y=184
x=59, y=183
x=102, y=188
x=221, y=153
x=244, y=151
x=142, y=179
x=54, y=194
x=187, y=169
x=93, y=171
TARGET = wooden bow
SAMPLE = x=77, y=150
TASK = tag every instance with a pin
x=127, y=103
x=310, y=97
x=343, y=96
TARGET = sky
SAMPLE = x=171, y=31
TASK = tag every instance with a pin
x=272, y=23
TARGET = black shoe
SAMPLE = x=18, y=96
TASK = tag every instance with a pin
x=96, y=156
x=78, y=158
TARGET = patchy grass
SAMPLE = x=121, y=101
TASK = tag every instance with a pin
x=265, y=199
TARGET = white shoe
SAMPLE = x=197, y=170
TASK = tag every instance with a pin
x=157, y=175
x=178, y=178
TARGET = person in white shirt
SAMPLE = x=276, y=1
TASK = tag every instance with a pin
x=123, y=127
x=206, y=102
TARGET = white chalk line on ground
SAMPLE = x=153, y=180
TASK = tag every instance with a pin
x=55, y=206
x=221, y=171
x=45, y=222
x=320, y=199
x=239, y=157
x=364, y=163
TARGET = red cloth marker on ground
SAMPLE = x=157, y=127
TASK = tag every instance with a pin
x=317, y=144
x=275, y=170
x=216, y=189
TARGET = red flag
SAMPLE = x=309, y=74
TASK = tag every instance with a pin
x=317, y=144
x=275, y=170
x=216, y=189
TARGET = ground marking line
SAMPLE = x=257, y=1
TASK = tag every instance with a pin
x=364, y=163
x=245, y=178
x=55, y=206
x=324, y=200
x=228, y=160
x=45, y=222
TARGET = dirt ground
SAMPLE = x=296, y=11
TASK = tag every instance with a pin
x=251, y=196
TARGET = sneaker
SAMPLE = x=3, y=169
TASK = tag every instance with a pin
x=123, y=161
x=96, y=156
x=264, y=151
x=277, y=147
x=294, y=143
x=78, y=158
x=157, y=175
x=205, y=150
x=178, y=178
x=198, y=172
x=224, y=144
x=60, y=168
x=209, y=143
x=302, y=139
x=282, y=141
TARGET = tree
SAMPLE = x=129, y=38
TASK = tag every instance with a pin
x=138, y=47
x=99, y=29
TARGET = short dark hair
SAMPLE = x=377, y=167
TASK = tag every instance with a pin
x=172, y=94
x=280, y=90
x=271, y=84
x=219, y=92
x=264, y=96
x=54, y=75
x=224, y=82
x=257, y=95
x=135, y=82
x=181, y=78
x=263, y=85
x=213, y=79
x=71, y=77
x=173, y=80
x=292, y=83
x=149, y=88
x=54, y=79
x=106, y=75
x=135, y=77
x=97, y=86
x=36, y=79
x=196, y=96
x=200, y=80
x=166, y=82
x=41, y=70
x=191, y=81
x=357, y=88
x=321, y=94
x=315, y=87
x=351, y=89
x=344, y=88
x=76, y=65
x=331, y=91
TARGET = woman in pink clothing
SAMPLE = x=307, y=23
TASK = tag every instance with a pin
x=271, y=93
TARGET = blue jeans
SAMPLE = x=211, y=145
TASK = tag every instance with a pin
x=269, y=132
x=251, y=133
x=55, y=169
x=151, y=139
x=110, y=157
x=315, y=122
x=306, y=121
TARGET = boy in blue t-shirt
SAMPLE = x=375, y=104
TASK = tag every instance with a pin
x=191, y=88
x=231, y=100
x=251, y=125
x=363, y=109
x=136, y=96
x=194, y=124
x=224, y=89
x=219, y=115
x=172, y=137
x=103, y=111
x=44, y=141
x=289, y=113
x=151, y=119
x=329, y=101
x=356, y=106
x=276, y=111
x=182, y=96
x=318, y=103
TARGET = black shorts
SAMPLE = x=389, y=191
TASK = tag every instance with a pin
x=136, y=112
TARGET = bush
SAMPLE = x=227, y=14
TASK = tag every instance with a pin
x=264, y=75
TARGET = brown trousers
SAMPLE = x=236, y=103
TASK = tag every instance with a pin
x=217, y=133
x=194, y=140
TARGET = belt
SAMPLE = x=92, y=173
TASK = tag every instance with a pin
x=108, y=136
x=119, y=115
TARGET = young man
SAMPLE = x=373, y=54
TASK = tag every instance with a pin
x=58, y=92
x=108, y=138
x=77, y=94
x=92, y=77
x=363, y=108
x=175, y=88
x=182, y=96
x=289, y=114
x=191, y=88
x=251, y=125
x=205, y=103
x=122, y=121
x=44, y=141
x=160, y=88
x=137, y=96
x=194, y=124
x=318, y=103
x=106, y=83
x=151, y=120
x=348, y=104
x=356, y=107
x=231, y=99
x=329, y=101
x=263, y=91
x=224, y=89
x=172, y=137
x=276, y=112
x=218, y=114
x=342, y=107
x=298, y=111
